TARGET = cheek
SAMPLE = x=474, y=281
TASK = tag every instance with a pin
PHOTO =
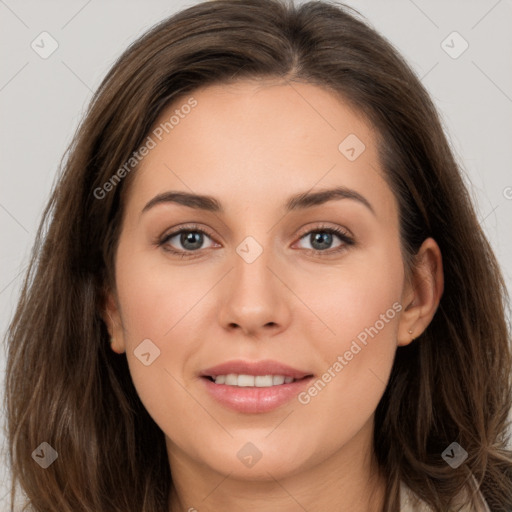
x=355, y=299
x=159, y=307
x=157, y=297
x=362, y=307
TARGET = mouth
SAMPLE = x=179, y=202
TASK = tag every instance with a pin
x=254, y=387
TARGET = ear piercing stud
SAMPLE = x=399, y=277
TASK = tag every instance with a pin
x=410, y=331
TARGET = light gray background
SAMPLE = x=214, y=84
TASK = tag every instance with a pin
x=42, y=101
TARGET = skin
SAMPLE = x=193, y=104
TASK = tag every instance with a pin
x=252, y=145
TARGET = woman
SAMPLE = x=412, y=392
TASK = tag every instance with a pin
x=260, y=284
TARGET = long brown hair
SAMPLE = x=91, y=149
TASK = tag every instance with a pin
x=66, y=387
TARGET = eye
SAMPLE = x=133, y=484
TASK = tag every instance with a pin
x=188, y=239
x=322, y=238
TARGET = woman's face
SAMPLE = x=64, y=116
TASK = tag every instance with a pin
x=268, y=282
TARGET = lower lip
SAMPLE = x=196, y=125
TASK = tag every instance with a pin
x=253, y=399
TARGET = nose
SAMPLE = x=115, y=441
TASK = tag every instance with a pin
x=255, y=299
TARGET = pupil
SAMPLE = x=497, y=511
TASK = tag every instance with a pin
x=192, y=237
x=325, y=239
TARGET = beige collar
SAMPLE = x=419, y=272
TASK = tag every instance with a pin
x=409, y=502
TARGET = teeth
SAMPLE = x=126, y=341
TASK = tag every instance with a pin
x=231, y=380
x=278, y=379
x=259, y=381
x=245, y=380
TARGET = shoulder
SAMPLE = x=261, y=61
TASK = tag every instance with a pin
x=410, y=502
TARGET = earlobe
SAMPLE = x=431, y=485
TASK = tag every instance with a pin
x=423, y=292
x=112, y=319
x=114, y=347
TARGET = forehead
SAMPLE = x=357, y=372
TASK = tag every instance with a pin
x=260, y=139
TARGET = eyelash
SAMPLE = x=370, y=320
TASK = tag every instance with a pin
x=342, y=235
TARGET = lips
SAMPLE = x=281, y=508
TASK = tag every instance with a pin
x=248, y=398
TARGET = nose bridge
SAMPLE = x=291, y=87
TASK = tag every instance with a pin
x=255, y=298
x=252, y=278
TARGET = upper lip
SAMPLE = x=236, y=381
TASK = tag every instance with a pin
x=266, y=367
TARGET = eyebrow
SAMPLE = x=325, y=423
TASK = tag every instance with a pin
x=296, y=202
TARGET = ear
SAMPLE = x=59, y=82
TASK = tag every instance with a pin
x=422, y=292
x=112, y=318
